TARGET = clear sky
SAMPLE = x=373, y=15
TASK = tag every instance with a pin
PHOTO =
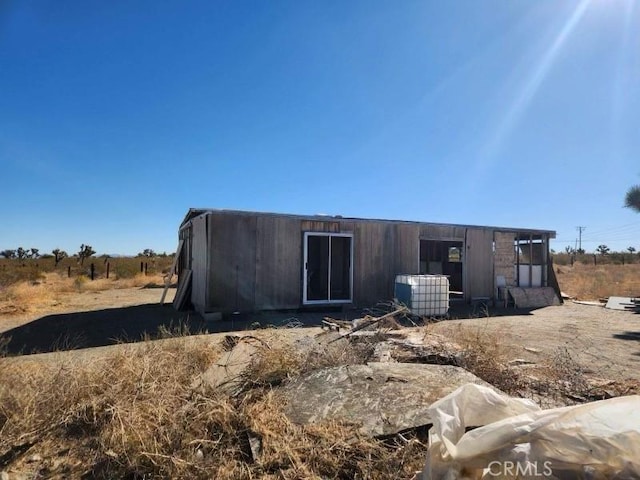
x=116, y=117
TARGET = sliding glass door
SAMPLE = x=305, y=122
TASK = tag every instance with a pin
x=328, y=275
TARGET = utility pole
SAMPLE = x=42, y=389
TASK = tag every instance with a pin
x=580, y=230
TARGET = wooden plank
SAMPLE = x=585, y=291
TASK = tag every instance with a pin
x=478, y=264
x=184, y=287
x=278, y=263
x=199, y=264
x=167, y=279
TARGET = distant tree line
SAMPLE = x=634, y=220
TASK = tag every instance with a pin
x=602, y=254
x=85, y=251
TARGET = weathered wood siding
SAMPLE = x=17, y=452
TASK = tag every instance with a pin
x=199, y=263
x=232, y=246
x=374, y=262
x=478, y=265
x=318, y=226
x=253, y=261
x=407, y=249
x=442, y=232
x=278, y=263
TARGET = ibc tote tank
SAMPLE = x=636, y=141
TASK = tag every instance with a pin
x=426, y=295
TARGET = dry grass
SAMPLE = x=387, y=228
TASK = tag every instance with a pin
x=556, y=380
x=135, y=415
x=484, y=353
x=590, y=282
x=51, y=290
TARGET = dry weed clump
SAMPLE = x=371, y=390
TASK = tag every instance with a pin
x=136, y=415
x=484, y=353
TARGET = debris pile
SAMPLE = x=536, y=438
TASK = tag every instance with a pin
x=624, y=303
x=479, y=433
x=361, y=399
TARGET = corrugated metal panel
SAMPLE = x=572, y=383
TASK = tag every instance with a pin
x=278, y=263
x=478, y=264
x=199, y=263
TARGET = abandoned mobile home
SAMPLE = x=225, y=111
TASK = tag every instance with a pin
x=234, y=261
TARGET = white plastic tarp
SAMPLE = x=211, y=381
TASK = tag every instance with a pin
x=516, y=439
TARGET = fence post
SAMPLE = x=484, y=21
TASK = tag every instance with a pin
x=108, y=270
x=141, y=267
x=145, y=269
x=595, y=259
x=93, y=270
x=69, y=271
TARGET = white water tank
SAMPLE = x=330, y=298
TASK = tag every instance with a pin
x=425, y=295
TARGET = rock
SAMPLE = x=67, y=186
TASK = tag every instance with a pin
x=384, y=398
x=34, y=458
x=4, y=475
x=226, y=374
x=255, y=445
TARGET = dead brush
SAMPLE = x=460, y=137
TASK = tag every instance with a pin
x=136, y=415
x=484, y=353
x=561, y=377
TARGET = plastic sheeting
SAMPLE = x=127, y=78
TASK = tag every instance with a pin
x=516, y=439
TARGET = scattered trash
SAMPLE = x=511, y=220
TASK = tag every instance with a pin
x=532, y=350
x=516, y=439
x=384, y=321
x=292, y=322
x=624, y=303
x=587, y=302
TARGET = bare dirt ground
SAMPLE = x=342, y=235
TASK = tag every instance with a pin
x=74, y=302
x=605, y=342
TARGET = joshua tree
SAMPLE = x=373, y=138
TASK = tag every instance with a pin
x=34, y=253
x=85, y=252
x=147, y=252
x=8, y=253
x=21, y=253
x=631, y=250
x=58, y=255
x=632, y=199
x=602, y=249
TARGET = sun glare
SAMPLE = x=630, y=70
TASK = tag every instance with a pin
x=536, y=77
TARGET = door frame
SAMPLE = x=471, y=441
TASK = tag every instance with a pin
x=305, y=261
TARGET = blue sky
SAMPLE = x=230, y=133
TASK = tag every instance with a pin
x=116, y=117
